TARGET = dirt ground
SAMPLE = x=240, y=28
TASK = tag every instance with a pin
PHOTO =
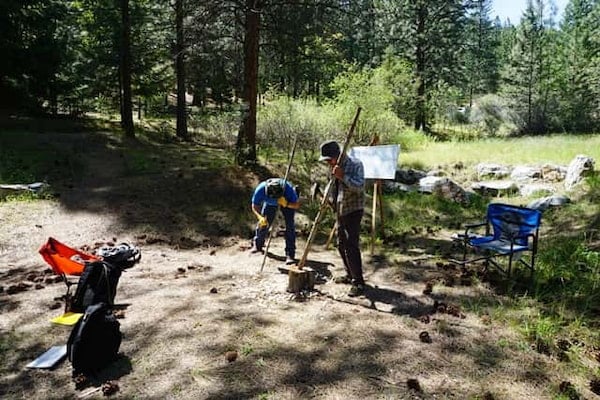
x=197, y=296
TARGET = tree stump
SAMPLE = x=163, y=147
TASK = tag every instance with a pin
x=301, y=279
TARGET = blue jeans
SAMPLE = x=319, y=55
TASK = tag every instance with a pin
x=290, y=229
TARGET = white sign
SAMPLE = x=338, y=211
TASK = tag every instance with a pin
x=380, y=162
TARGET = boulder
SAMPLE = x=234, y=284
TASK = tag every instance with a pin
x=553, y=173
x=496, y=171
x=494, y=188
x=394, y=187
x=525, y=173
x=533, y=188
x=429, y=183
x=409, y=176
x=550, y=201
x=443, y=187
x=579, y=167
x=437, y=172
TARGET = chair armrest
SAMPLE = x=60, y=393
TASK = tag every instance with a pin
x=466, y=236
x=471, y=226
x=526, y=237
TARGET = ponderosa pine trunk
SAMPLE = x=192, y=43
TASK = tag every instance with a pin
x=246, y=140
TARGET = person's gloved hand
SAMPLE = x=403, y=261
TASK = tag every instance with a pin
x=282, y=202
x=262, y=222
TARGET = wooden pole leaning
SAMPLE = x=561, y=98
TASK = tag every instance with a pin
x=271, y=230
x=381, y=217
x=376, y=200
x=374, y=215
x=299, y=277
x=331, y=235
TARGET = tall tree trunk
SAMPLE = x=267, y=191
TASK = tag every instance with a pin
x=125, y=69
x=246, y=140
x=181, y=131
x=420, y=116
x=530, y=83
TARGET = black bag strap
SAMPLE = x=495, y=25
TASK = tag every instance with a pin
x=108, y=288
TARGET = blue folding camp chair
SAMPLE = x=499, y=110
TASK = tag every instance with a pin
x=510, y=231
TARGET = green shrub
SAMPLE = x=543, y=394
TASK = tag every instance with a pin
x=215, y=128
x=371, y=90
x=398, y=76
x=493, y=117
x=284, y=119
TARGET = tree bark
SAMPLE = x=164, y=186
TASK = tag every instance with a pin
x=246, y=140
x=125, y=69
x=420, y=112
x=181, y=130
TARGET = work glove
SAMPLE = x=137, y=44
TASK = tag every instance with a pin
x=262, y=222
x=282, y=202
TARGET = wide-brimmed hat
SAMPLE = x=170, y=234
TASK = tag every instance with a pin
x=329, y=150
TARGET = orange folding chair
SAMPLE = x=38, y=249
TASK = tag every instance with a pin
x=65, y=261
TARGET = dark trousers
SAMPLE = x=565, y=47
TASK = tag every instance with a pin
x=290, y=229
x=348, y=245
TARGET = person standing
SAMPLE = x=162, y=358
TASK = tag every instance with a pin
x=268, y=196
x=348, y=199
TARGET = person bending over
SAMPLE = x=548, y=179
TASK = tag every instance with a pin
x=270, y=195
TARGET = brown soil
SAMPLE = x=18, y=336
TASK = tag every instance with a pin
x=200, y=322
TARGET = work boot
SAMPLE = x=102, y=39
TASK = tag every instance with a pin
x=345, y=279
x=289, y=260
x=356, y=290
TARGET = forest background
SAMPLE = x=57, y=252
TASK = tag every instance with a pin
x=431, y=66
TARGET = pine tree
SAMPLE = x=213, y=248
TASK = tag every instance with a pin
x=246, y=140
x=593, y=19
x=577, y=74
x=481, y=75
x=527, y=79
x=428, y=34
x=180, y=51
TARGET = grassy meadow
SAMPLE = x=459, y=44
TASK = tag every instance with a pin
x=556, y=149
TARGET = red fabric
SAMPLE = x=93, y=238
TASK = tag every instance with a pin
x=64, y=259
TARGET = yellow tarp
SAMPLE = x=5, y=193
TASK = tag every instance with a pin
x=68, y=318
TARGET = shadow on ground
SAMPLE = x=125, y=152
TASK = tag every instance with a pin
x=184, y=193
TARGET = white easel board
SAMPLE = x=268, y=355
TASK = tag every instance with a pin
x=379, y=162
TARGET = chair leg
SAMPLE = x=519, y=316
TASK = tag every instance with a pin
x=486, y=265
x=68, y=295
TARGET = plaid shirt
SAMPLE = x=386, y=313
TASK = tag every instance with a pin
x=351, y=189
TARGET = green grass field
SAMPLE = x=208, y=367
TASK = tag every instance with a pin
x=558, y=149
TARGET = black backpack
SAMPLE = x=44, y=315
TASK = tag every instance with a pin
x=95, y=339
x=123, y=255
x=97, y=284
